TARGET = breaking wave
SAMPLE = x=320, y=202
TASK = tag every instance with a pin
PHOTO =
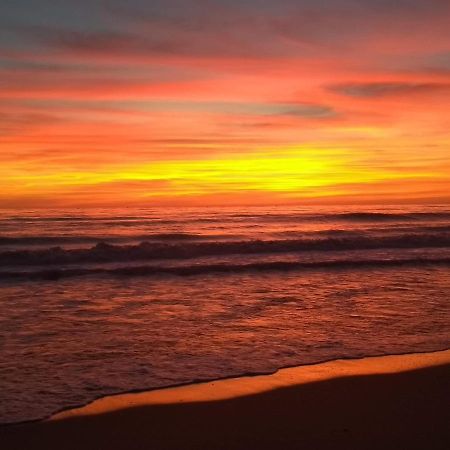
x=54, y=240
x=108, y=253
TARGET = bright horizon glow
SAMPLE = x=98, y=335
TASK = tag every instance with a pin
x=224, y=103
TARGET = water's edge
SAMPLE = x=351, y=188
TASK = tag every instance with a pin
x=207, y=380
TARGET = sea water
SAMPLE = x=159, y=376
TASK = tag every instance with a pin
x=97, y=302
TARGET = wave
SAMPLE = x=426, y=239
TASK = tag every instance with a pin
x=106, y=253
x=373, y=216
x=411, y=228
x=320, y=217
x=350, y=216
x=364, y=216
x=65, y=218
x=200, y=269
x=54, y=240
x=382, y=217
x=387, y=230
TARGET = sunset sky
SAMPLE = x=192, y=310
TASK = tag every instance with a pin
x=223, y=102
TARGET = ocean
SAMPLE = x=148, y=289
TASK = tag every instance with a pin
x=98, y=302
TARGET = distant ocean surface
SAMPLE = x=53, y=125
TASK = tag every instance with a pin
x=96, y=302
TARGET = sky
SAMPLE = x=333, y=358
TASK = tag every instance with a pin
x=224, y=102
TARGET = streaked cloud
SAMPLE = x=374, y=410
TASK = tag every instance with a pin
x=101, y=96
x=381, y=89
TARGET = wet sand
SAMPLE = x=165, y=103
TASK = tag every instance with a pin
x=394, y=402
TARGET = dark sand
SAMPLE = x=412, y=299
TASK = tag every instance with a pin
x=403, y=405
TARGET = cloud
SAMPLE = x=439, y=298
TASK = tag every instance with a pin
x=106, y=42
x=84, y=41
x=382, y=89
x=222, y=28
x=92, y=83
x=13, y=123
x=157, y=36
x=29, y=79
x=308, y=110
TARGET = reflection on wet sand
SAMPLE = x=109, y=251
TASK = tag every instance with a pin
x=389, y=403
x=243, y=386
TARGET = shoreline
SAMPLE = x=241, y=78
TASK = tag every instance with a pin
x=161, y=395
x=391, y=402
x=247, y=384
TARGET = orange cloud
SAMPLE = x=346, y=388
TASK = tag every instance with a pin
x=87, y=105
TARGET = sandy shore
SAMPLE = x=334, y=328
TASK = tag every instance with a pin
x=393, y=402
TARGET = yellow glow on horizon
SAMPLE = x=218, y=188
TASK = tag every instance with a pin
x=294, y=172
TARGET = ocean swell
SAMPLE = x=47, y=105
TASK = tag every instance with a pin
x=107, y=253
x=200, y=269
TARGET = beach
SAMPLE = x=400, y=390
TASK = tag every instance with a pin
x=390, y=402
x=224, y=225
